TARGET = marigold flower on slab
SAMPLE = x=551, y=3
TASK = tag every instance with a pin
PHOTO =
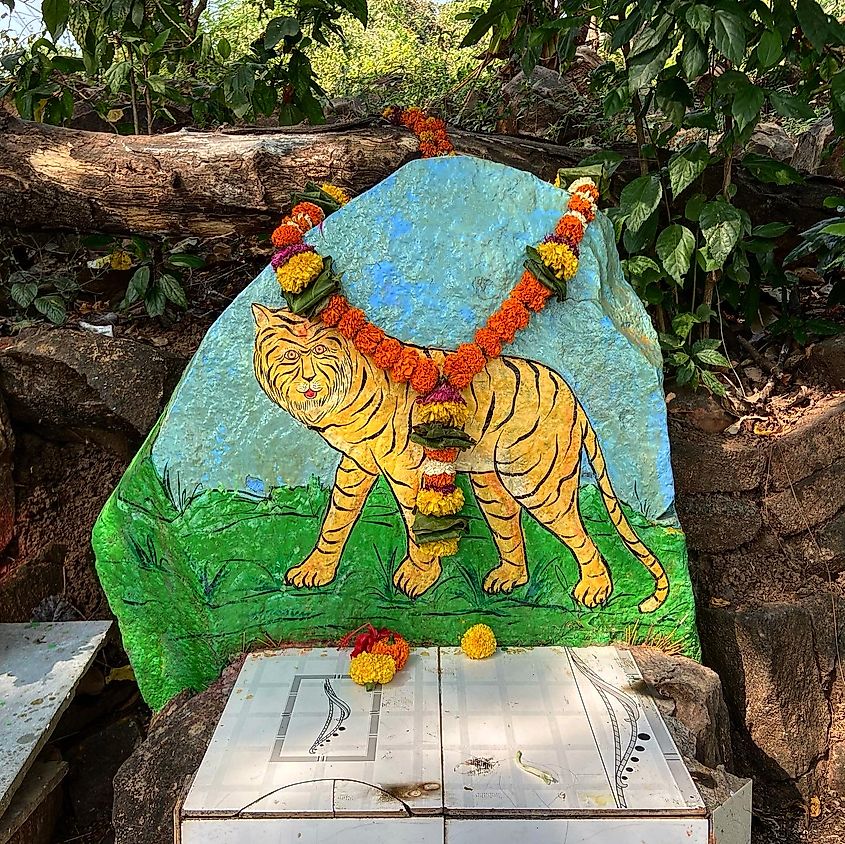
x=425, y=376
x=586, y=186
x=352, y=321
x=478, y=642
x=334, y=309
x=339, y=195
x=442, y=455
x=488, y=342
x=583, y=206
x=403, y=369
x=559, y=258
x=435, y=502
x=394, y=646
x=387, y=353
x=441, y=547
x=308, y=209
x=369, y=669
x=299, y=271
x=532, y=293
x=367, y=338
x=286, y=234
x=462, y=365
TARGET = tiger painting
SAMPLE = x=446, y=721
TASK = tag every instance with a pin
x=530, y=431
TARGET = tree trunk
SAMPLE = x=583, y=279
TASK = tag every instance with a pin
x=218, y=183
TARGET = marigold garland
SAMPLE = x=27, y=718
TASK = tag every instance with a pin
x=441, y=410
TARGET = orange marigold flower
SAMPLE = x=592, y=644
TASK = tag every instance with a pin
x=442, y=455
x=510, y=317
x=428, y=150
x=387, y=353
x=570, y=228
x=334, y=309
x=441, y=481
x=488, y=342
x=531, y=292
x=368, y=338
x=590, y=190
x=286, y=234
x=462, y=365
x=582, y=206
x=425, y=376
x=403, y=369
x=310, y=210
x=351, y=322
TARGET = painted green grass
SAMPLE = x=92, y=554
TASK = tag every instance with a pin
x=197, y=581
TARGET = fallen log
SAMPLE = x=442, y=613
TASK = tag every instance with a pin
x=238, y=181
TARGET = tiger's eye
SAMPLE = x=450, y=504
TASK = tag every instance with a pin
x=290, y=354
x=319, y=349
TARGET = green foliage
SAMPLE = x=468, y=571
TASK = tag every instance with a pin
x=154, y=60
x=695, y=79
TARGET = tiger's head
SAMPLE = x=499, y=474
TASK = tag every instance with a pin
x=304, y=367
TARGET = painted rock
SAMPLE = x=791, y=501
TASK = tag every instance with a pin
x=281, y=514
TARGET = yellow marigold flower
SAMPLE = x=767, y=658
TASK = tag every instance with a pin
x=448, y=412
x=120, y=260
x=339, y=195
x=299, y=271
x=441, y=547
x=558, y=257
x=368, y=669
x=478, y=642
x=433, y=502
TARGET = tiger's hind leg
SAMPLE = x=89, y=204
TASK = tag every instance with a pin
x=502, y=513
x=553, y=501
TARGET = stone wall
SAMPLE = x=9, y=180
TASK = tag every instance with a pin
x=765, y=523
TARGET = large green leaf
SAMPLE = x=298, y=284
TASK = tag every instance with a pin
x=693, y=57
x=729, y=35
x=700, y=18
x=746, y=105
x=53, y=307
x=769, y=49
x=675, y=246
x=770, y=170
x=790, y=105
x=23, y=293
x=173, y=290
x=55, y=14
x=639, y=198
x=686, y=165
x=814, y=21
x=280, y=28
x=721, y=225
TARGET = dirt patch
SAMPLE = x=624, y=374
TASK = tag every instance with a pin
x=61, y=488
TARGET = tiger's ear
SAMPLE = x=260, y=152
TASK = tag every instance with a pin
x=262, y=315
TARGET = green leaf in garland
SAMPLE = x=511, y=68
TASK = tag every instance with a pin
x=432, y=528
x=314, y=193
x=308, y=301
x=438, y=435
x=534, y=264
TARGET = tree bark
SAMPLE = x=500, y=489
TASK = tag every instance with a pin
x=239, y=182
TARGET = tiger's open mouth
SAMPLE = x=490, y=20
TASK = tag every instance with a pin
x=309, y=393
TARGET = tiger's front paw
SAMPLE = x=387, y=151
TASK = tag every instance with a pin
x=505, y=577
x=593, y=590
x=317, y=570
x=414, y=578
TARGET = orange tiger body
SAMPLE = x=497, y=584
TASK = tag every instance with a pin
x=530, y=431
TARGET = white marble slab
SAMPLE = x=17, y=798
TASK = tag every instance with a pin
x=315, y=831
x=582, y=831
x=40, y=666
x=297, y=736
x=559, y=731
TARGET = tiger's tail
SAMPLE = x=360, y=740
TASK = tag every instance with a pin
x=623, y=527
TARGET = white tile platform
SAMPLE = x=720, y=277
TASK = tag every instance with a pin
x=40, y=666
x=543, y=744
